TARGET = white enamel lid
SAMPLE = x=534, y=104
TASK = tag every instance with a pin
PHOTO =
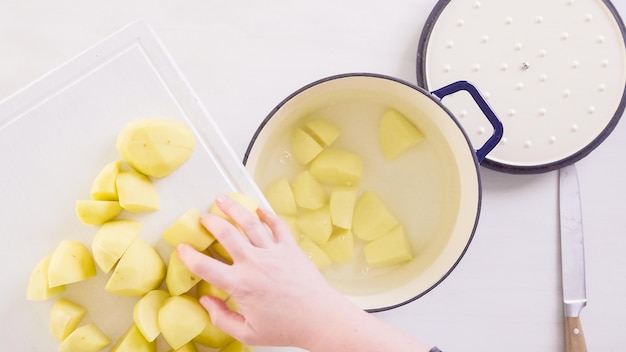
x=553, y=71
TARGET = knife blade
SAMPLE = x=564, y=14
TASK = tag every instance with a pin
x=572, y=258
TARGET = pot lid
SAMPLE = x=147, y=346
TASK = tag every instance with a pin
x=553, y=71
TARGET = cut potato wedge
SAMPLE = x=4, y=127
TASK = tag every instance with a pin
x=390, y=249
x=112, y=240
x=316, y=225
x=342, y=202
x=337, y=168
x=280, y=196
x=145, y=313
x=133, y=341
x=155, y=147
x=86, y=338
x=323, y=131
x=315, y=253
x=372, y=218
x=397, y=134
x=307, y=191
x=38, y=286
x=178, y=278
x=188, y=229
x=303, y=147
x=103, y=186
x=212, y=336
x=97, y=212
x=181, y=319
x=70, y=262
x=340, y=246
x=136, y=192
x=188, y=347
x=64, y=318
x=139, y=271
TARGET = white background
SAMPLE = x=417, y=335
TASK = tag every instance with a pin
x=243, y=57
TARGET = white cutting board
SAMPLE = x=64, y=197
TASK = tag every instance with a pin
x=56, y=135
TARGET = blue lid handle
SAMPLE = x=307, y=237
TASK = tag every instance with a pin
x=498, y=129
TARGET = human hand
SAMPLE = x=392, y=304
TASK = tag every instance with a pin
x=282, y=298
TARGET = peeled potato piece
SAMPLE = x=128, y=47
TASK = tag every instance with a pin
x=70, y=262
x=178, y=278
x=280, y=196
x=38, y=286
x=372, y=218
x=316, y=224
x=97, y=212
x=87, y=338
x=188, y=229
x=112, y=240
x=392, y=248
x=342, y=202
x=337, y=168
x=307, y=191
x=103, y=186
x=323, y=131
x=340, y=246
x=155, y=147
x=303, y=146
x=133, y=341
x=181, y=319
x=136, y=192
x=212, y=336
x=314, y=252
x=64, y=318
x=139, y=271
x=145, y=313
x=396, y=134
x=188, y=347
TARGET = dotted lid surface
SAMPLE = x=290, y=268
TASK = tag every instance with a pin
x=553, y=71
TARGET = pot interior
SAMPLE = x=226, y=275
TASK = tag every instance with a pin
x=433, y=189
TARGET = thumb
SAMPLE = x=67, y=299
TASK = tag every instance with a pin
x=226, y=319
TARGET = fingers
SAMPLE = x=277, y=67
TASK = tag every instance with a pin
x=278, y=227
x=207, y=268
x=233, y=241
x=257, y=233
x=223, y=317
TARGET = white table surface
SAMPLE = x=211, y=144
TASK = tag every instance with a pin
x=243, y=57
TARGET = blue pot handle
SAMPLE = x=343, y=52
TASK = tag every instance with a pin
x=498, y=129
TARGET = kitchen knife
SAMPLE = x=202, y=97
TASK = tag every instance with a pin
x=572, y=258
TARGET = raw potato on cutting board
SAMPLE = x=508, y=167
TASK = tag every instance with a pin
x=133, y=341
x=97, y=212
x=86, y=338
x=38, y=286
x=155, y=147
x=64, y=318
x=139, y=271
x=111, y=242
x=134, y=267
x=103, y=186
x=188, y=229
x=71, y=262
x=145, y=313
x=181, y=319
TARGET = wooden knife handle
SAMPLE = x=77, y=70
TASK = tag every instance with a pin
x=574, y=336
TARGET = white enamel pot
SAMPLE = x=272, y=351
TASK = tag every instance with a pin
x=433, y=189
